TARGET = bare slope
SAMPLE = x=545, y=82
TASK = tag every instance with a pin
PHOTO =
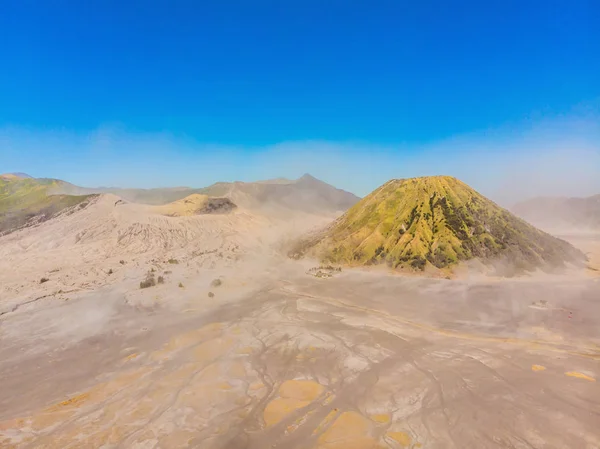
x=562, y=214
x=306, y=194
x=196, y=204
x=25, y=201
x=437, y=221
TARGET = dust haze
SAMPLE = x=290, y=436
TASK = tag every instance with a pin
x=553, y=156
x=167, y=324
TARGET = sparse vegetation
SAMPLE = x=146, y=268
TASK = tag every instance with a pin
x=42, y=280
x=324, y=271
x=326, y=267
x=122, y=262
x=437, y=221
x=149, y=281
x=216, y=282
x=160, y=280
x=418, y=263
x=173, y=261
x=180, y=285
x=211, y=295
x=110, y=271
x=26, y=202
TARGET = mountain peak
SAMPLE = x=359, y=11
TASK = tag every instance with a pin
x=307, y=177
x=435, y=221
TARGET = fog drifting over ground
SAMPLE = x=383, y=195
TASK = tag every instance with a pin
x=557, y=156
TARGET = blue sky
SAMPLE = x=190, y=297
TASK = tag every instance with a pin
x=191, y=92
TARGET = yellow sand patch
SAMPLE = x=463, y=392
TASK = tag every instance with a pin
x=210, y=373
x=130, y=357
x=349, y=431
x=185, y=207
x=303, y=390
x=381, y=418
x=211, y=349
x=537, y=368
x=580, y=376
x=401, y=438
x=328, y=398
x=294, y=394
x=330, y=416
x=278, y=409
x=49, y=419
x=245, y=350
x=75, y=401
x=256, y=386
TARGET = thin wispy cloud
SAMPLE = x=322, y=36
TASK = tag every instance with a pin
x=557, y=156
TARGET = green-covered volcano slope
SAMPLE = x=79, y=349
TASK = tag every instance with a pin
x=24, y=201
x=437, y=221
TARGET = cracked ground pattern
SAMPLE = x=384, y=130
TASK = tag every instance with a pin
x=310, y=363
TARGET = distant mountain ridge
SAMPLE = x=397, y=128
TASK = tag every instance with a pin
x=27, y=200
x=561, y=214
x=306, y=194
x=433, y=221
x=16, y=175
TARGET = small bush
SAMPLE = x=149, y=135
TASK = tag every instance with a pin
x=173, y=261
x=211, y=295
x=167, y=272
x=44, y=280
x=149, y=282
x=161, y=280
x=110, y=271
x=418, y=263
x=180, y=285
x=216, y=282
x=122, y=262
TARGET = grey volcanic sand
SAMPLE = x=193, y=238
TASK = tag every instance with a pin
x=281, y=359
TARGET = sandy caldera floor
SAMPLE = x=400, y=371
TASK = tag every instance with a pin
x=281, y=359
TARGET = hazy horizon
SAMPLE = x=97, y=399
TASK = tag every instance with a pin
x=355, y=96
x=549, y=157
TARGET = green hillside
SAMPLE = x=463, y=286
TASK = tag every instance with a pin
x=437, y=221
x=25, y=200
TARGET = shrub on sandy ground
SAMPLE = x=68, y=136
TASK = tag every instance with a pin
x=173, y=261
x=161, y=280
x=216, y=282
x=149, y=281
x=211, y=295
x=180, y=285
x=44, y=280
